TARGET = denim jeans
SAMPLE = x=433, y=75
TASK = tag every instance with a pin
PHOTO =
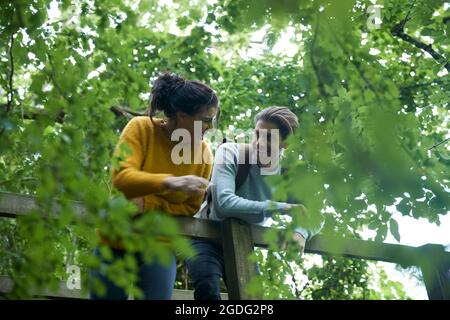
x=206, y=269
x=155, y=280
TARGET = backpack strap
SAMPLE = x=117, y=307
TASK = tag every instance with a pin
x=243, y=169
x=241, y=176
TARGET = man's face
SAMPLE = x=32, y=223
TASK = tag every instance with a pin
x=268, y=142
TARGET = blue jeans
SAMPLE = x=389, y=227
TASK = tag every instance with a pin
x=206, y=269
x=155, y=280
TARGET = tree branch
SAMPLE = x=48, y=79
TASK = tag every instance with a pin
x=438, y=144
x=408, y=14
x=122, y=111
x=52, y=76
x=322, y=91
x=358, y=68
x=118, y=111
x=10, y=93
x=10, y=97
x=398, y=30
x=426, y=84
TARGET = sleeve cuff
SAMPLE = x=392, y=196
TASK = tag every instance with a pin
x=303, y=232
x=272, y=207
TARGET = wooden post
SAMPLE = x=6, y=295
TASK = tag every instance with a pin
x=435, y=265
x=237, y=241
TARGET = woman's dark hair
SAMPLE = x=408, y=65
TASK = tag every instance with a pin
x=284, y=118
x=171, y=93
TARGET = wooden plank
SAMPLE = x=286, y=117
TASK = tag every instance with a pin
x=351, y=248
x=363, y=249
x=12, y=205
x=435, y=267
x=200, y=229
x=237, y=246
x=6, y=285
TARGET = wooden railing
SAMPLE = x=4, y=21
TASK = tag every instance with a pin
x=239, y=239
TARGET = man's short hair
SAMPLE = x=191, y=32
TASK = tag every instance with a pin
x=284, y=118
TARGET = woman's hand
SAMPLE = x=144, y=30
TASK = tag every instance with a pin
x=192, y=185
x=139, y=203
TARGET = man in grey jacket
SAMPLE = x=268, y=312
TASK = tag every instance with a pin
x=239, y=189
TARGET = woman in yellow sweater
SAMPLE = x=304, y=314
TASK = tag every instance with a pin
x=153, y=174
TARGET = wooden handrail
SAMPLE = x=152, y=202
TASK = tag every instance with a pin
x=432, y=258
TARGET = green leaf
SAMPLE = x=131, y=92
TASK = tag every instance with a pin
x=381, y=233
x=393, y=227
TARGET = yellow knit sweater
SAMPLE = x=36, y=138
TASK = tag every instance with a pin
x=142, y=172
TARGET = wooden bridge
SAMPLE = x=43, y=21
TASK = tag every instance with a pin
x=239, y=239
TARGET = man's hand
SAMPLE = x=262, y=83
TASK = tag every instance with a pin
x=298, y=213
x=298, y=239
x=301, y=212
x=295, y=207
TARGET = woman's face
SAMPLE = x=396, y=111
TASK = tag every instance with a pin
x=198, y=123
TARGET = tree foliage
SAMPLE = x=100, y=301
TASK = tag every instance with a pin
x=372, y=104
